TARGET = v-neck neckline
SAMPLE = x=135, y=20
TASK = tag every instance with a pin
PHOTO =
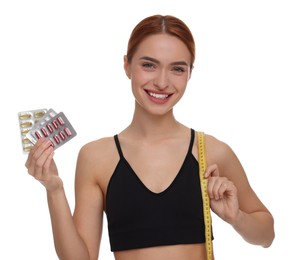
x=133, y=172
x=178, y=174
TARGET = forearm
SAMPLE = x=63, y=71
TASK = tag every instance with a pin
x=68, y=243
x=256, y=228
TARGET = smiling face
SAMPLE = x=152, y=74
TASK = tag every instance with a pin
x=159, y=72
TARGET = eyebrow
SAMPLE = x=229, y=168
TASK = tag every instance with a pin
x=158, y=62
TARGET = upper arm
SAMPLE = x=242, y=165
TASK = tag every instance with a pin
x=230, y=167
x=88, y=214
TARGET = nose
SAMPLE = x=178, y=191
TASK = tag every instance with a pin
x=161, y=80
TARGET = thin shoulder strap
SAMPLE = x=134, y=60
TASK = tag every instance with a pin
x=192, y=139
x=205, y=197
x=118, y=145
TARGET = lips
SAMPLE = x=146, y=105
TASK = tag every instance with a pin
x=158, y=97
x=161, y=96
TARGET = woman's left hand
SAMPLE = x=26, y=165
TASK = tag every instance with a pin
x=223, y=195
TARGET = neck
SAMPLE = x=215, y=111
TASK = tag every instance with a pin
x=147, y=125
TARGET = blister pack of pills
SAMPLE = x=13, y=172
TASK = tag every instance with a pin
x=53, y=126
x=27, y=120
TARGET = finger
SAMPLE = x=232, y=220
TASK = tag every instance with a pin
x=221, y=190
x=230, y=188
x=35, y=149
x=46, y=168
x=42, y=162
x=35, y=153
x=38, y=158
x=212, y=170
x=217, y=187
x=211, y=183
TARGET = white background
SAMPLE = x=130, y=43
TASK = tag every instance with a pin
x=68, y=55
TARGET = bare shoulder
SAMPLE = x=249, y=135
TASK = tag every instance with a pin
x=97, y=159
x=98, y=150
x=216, y=149
x=220, y=153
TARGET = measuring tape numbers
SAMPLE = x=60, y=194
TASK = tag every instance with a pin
x=205, y=197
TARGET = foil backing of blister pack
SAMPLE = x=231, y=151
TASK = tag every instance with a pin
x=27, y=120
x=53, y=126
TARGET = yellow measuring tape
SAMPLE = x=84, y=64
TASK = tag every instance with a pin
x=205, y=197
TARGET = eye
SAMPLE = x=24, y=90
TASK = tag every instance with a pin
x=148, y=65
x=178, y=69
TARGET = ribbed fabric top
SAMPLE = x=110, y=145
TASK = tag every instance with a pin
x=139, y=218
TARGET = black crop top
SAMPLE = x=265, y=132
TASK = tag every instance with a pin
x=138, y=217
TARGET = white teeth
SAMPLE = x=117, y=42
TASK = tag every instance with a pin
x=159, y=96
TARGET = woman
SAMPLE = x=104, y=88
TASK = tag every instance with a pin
x=146, y=178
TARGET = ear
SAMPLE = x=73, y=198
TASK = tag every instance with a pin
x=127, y=67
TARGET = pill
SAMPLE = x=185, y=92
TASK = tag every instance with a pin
x=62, y=136
x=27, y=148
x=55, y=124
x=56, y=139
x=44, y=132
x=67, y=131
x=26, y=124
x=60, y=120
x=26, y=140
x=24, y=116
x=38, y=135
x=39, y=114
x=25, y=131
x=50, y=129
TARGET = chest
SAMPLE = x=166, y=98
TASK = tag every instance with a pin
x=131, y=204
x=156, y=166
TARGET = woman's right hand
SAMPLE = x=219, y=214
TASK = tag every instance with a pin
x=41, y=166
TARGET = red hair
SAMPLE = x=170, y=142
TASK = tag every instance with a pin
x=157, y=24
